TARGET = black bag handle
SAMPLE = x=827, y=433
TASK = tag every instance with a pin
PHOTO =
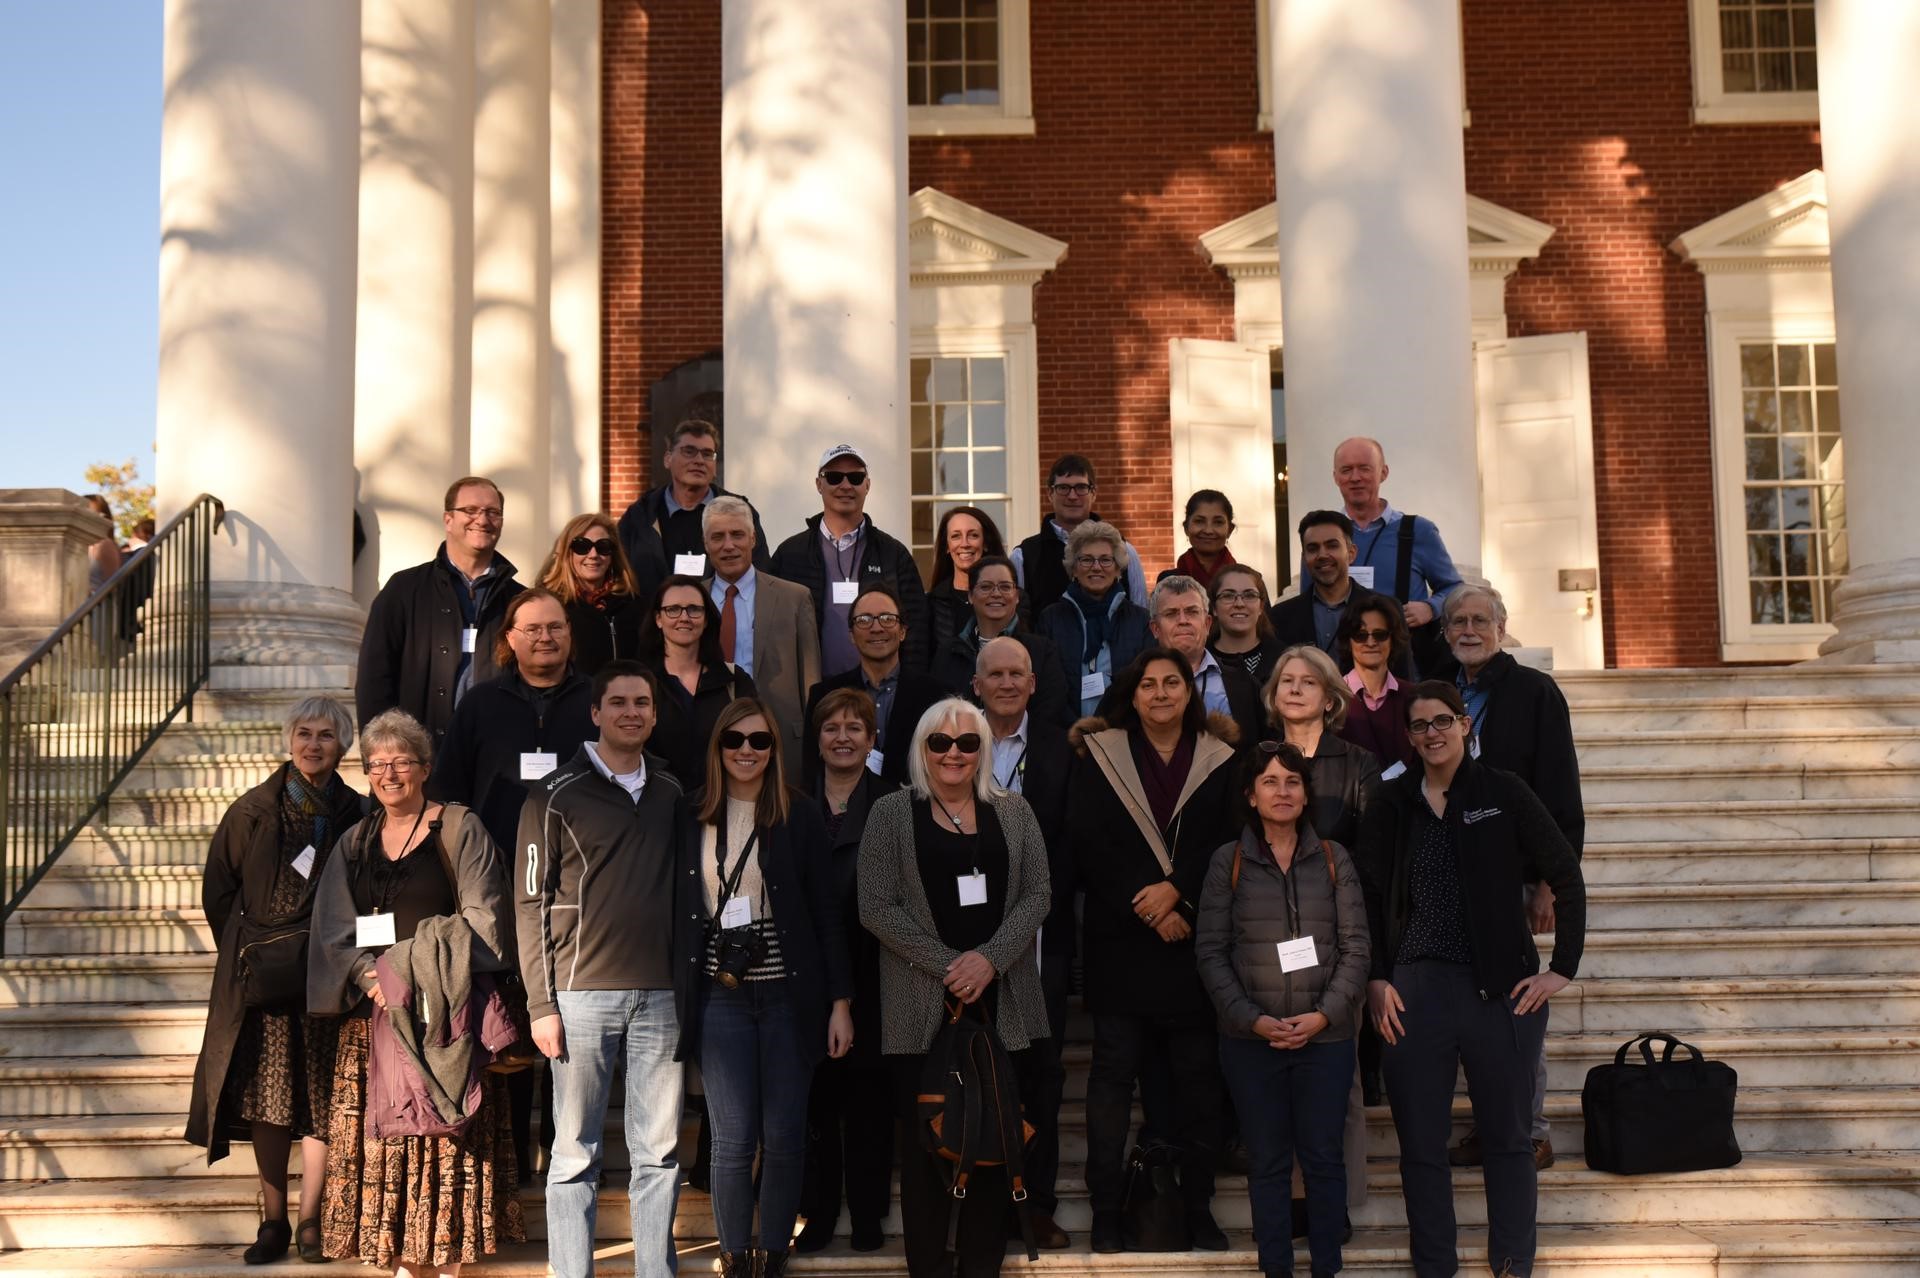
x=1645, y=1043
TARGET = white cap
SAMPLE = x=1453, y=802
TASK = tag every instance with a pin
x=837, y=452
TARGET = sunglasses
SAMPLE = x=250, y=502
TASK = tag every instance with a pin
x=1372, y=636
x=834, y=478
x=733, y=740
x=940, y=742
x=586, y=546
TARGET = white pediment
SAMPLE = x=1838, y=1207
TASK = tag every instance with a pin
x=1498, y=240
x=1786, y=227
x=952, y=242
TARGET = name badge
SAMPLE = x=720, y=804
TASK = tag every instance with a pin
x=973, y=888
x=1297, y=954
x=1398, y=769
x=875, y=761
x=535, y=764
x=845, y=592
x=689, y=565
x=469, y=639
x=1092, y=685
x=303, y=864
x=737, y=912
x=1362, y=575
x=370, y=930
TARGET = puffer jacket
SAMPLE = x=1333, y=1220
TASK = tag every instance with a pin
x=1237, y=943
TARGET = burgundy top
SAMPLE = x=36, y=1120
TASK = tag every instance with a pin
x=1163, y=780
x=1383, y=731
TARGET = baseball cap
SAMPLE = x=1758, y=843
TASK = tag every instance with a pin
x=837, y=452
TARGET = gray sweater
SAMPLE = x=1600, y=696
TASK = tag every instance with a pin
x=1237, y=942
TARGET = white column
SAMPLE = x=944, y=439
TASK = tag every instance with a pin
x=511, y=233
x=413, y=354
x=1371, y=184
x=813, y=191
x=574, y=425
x=259, y=163
x=1870, y=133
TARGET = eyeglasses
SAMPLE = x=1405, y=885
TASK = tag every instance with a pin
x=1469, y=621
x=759, y=741
x=1237, y=596
x=399, y=767
x=474, y=514
x=690, y=453
x=603, y=546
x=834, y=478
x=551, y=630
x=1439, y=723
x=994, y=588
x=1096, y=561
x=1073, y=490
x=673, y=612
x=869, y=620
x=1372, y=636
x=940, y=743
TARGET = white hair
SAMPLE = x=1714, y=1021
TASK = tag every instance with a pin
x=1175, y=583
x=1461, y=594
x=972, y=719
x=728, y=505
x=319, y=710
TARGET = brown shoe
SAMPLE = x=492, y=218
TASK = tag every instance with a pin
x=1046, y=1234
x=1467, y=1152
x=1542, y=1154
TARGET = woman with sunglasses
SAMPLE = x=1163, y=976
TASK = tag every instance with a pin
x=588, y=573
x=954, y=883
x=1445, y=851
x=966, y=535
x=763, y=986
x=680, y=642
x=1373, y=635
x=1242, y=630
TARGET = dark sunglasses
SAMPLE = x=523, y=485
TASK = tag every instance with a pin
x=940, y=742
x=732, y=740
x=584, y=546
x=1372, y=636
x=834, y=478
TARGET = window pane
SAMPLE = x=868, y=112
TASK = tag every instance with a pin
x=1825, y=373
x=1763, y=458
x=1806, y=72
x=947, y=8
x=922, y=473
x=1771, y=29
x=1796, y=411
x=949, y=85
x=920, y=380
x=1736, y=72
x=990, y=471
x=921, y=434
x=924, y=522
x=1830, y=458
x=998, y=511
x=1803, y=27
x=1774, y=72
x=1762, y=416
x=951, y=472
x=1826, y=405
x=1796, y=508
x=1756, y=366
x=1794, y=366
x=916, y=8
x=989, y=380
x=918, y=92
x=1833, y=554
x=1800, y=554
x=1796, y=456
x=1736, y=29
x=916, y=43
x=983, y=42
x=983, y=8
x=949, y=380
x=1799, y=602
x=1767, y=607
x=949, y=41
x=950, y=426
x=1763, y=556
x=983, y=84
x=989, y=425
x=1763, y=508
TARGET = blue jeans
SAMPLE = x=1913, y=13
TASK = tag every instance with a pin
x=754, y=1068
x=636, y=1029
x=1293, y=1103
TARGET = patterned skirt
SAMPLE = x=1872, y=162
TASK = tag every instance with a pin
x=282, y=1071
x=417, y=1200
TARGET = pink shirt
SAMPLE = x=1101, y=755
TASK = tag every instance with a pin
x=1372, y=702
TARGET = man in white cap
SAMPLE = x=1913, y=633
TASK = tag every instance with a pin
x=840, y=553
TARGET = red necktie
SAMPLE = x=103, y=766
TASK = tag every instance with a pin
x=728, y=624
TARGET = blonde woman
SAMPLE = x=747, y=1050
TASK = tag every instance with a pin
x=588, y=572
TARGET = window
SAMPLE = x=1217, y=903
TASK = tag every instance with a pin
x=958, y=440
x=1754, y=61
x=1794, y=502
x=967, y=67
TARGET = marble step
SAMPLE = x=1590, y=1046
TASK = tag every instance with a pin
x=173, y=805
x=224, y=704
x=1738, y=779
x=1898, y=706
x=1682, y=748
x=1723, y=861
x=1755, y=819
x=53, y=741
x=52, y=980
x=1749, y=951
x=1583, y=687
x=1796, y=902
x=138, y=843
x=33, y=1088
x=79, y=886
x=237, y=769
x=41, y=931
x=103, y=1029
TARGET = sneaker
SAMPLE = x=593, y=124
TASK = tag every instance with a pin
x=1467, y=1152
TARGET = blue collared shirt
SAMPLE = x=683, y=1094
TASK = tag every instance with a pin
x=1476, y=695
x=1010, y=758
x=1378, y=545
x=1326, y=618
x=882, y=694
x=748, y=585
x=1212, y=684
x=674, y=507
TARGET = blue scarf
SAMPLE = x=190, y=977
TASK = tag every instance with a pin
x=1095, y=611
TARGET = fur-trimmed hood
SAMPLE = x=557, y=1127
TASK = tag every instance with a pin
x=1219, y=725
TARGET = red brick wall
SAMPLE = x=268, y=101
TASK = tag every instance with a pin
x=1581, y=118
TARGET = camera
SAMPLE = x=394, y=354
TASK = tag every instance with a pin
x=736, y=951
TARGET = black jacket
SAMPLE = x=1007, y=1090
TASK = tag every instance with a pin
x=796, y=865
x=683, y=723
x=479, y=762
x=410, y=652
x=913, y=696
x=948, y=609
x=953, y=666
x=863, y=950
x=1504, y=839
x=604, y=634
x=680, y=532
x=1043, y=567
x=1062, y=625
x=646, y=553
x=1293, y=621
x=1527, y=729
x=243, y=864
x=801, y=559
x=1045, y=775
x=1344, y=778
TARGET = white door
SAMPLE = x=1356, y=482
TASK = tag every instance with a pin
x=1221, y=408
x=1536, y=462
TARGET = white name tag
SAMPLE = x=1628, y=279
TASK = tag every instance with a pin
x=1092, y=685
x=469, y=639
x=370, y=930
x=535, y=764
x=303, y=864
x=1398, y=769
x=1362, y=575
x=973, y=888
x=845, y=592
x=1297, y=954
x=689, y=565
x=875, y=762
x=738, y=912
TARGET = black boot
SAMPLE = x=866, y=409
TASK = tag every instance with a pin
x=270, y=1244
x=773, y=1264
x=736, y=1264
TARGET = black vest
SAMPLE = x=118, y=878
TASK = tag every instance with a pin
x=1043, y=562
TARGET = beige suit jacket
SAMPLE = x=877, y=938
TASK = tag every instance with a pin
x=786, y=660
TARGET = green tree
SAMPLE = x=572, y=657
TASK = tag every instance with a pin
x=132, y=501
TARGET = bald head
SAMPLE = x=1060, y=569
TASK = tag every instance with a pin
x=1359, y=468
x=1003, y=681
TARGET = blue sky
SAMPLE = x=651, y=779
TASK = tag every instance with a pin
x=79, y=226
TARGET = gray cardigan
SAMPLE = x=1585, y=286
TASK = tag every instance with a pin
x=1236, y=944
x=913, y=958
x=335, y=965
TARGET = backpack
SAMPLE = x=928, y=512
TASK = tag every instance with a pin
x=968, y=1113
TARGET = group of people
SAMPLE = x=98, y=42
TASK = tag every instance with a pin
x=782, y=816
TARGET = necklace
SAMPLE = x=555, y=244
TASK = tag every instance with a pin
x=958, y=828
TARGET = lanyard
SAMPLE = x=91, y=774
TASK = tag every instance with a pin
x=1019, y=769
x=839, y=564
x=394, y=879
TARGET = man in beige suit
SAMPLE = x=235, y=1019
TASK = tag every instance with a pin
x=767, y=627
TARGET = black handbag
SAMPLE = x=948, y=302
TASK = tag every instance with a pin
x=271, y=963
x=1660, y=1116
x=1153, y=1213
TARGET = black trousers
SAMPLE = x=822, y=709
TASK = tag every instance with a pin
x=1050, y=1084
x=850, y=1116
x=926, y=1203
x=1447, y=1025
x=1122, y=1047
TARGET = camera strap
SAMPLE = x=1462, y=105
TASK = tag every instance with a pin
x=729, y=883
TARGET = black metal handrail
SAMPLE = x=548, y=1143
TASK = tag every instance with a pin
x=81, y=710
